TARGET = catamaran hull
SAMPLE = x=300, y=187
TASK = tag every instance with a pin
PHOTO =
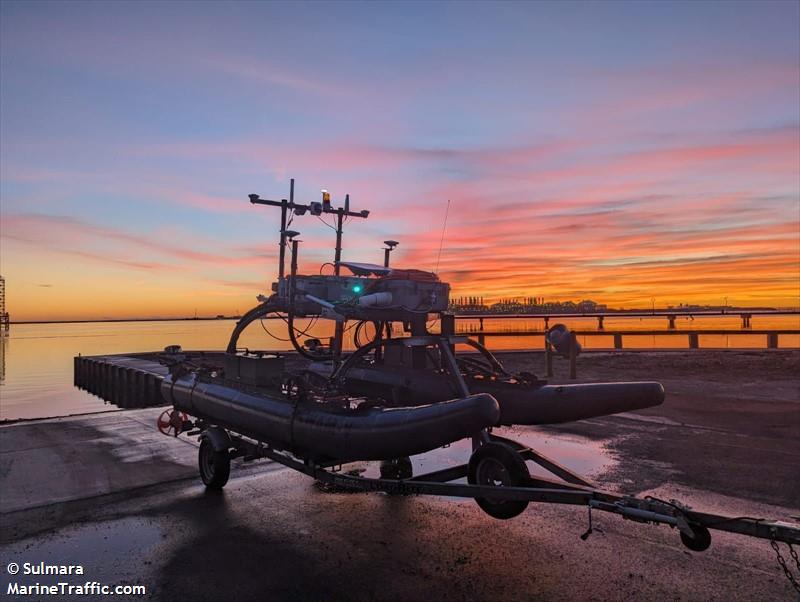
x=519, y=403
x=553, y=404
x=313, y=431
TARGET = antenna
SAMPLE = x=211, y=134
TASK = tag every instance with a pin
x=313, y=208
x=441, y=242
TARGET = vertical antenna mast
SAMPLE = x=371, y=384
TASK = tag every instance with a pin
x=282, y=250
x=340, y=213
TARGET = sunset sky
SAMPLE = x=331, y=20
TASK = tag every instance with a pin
x=612, y=151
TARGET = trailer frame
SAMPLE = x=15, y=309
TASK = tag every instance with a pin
x=568, y=488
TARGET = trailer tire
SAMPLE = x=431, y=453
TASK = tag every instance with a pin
x=399, y=468
x=498, y=464
x=701, y=540
x=215, y=466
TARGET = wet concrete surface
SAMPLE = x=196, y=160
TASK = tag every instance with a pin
x=105, y=549
x=57, y=460
x=587, y=456
x=730, y=423
x=272, y=535
x=276, y=537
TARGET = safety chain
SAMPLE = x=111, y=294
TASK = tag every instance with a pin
x=782, y=562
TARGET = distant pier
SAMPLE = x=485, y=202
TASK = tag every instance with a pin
x=671, y=315
x=693, y=336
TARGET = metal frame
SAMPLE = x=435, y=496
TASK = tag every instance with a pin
x=568, y=488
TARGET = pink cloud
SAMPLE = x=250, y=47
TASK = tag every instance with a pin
x=67, y=234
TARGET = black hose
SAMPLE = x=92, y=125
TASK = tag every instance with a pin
x=277, y=338
x=308, y=328
x=357, y=334
x=298, y=347
x=352, y=359
x=254, y=314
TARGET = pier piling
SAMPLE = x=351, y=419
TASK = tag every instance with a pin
x=548, y=358
x=573, y=356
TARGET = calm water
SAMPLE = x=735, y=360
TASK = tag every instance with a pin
x=36, y=360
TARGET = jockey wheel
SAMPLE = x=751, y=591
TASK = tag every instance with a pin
x=171, y=422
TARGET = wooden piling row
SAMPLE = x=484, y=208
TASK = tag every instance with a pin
x=119, y=381
x=693, y=336
x=772, y=340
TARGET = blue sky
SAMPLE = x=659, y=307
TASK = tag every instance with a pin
x=567, y=135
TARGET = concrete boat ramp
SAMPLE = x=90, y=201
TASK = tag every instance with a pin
x=110, y=492
x=64, y=459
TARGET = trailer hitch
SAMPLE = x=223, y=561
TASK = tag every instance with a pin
x=694, y=536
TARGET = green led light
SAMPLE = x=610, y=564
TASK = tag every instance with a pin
x=357, y=288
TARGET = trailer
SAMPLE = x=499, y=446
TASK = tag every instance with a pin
x=498, y=480
x=391, y=398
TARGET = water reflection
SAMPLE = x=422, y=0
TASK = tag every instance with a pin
x=585, y=456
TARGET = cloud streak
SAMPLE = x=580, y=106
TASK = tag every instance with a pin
x=65, y=234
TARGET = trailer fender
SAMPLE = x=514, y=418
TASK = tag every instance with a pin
x=218, y=437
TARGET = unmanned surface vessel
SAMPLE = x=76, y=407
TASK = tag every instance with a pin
x=407, y=388
x=394, y=396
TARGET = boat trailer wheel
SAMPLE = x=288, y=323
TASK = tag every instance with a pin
x=215, y=466
x=170, y=422
x=399, y=468
x=499, y=465
x=701, y=540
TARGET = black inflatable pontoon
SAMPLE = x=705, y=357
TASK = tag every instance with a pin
x=325, y=431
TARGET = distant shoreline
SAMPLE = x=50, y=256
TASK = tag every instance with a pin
x=221, y=319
